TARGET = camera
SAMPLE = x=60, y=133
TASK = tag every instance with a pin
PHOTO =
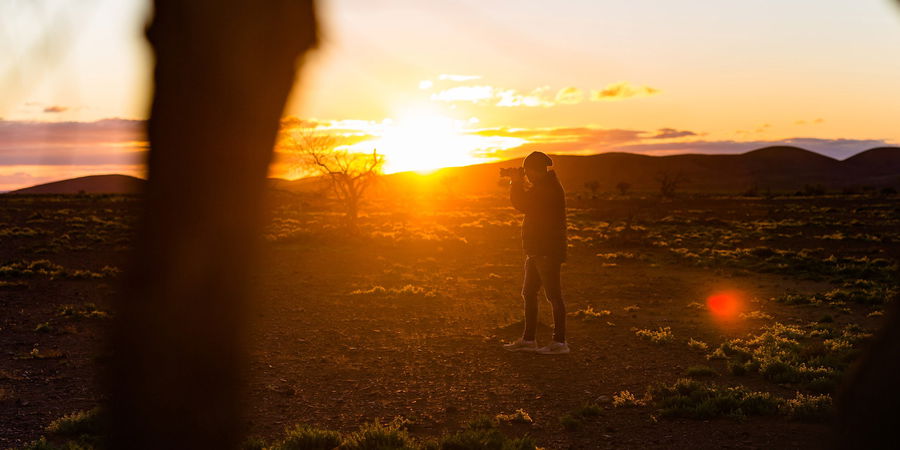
x=511, y=172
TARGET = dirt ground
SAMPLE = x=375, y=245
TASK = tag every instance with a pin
x=408, y=320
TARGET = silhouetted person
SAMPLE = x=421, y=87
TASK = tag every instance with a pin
x=544, y=241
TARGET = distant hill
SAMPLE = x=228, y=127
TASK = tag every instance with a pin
x=93, y=184
x=779, y=168
x=881, y=160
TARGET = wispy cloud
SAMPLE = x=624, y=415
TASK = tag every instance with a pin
x=492, y=96
x=473, y=94
x=36, y=133
x=488, y=95
x=346, y=133
x=512, y=98
x=294, y=122
x=56, y=109
x=569, y=95
x=622, y=90
x=570, y=140
x=107, y=141
x=458, y=78
x=663, y=141
x=34, y=152
x=671, y=133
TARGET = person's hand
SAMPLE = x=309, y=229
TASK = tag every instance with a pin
x=518, y=176
x=515, y=174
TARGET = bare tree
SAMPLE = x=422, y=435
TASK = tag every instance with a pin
x=669, y=183
x=623, y=187
x=349, y=174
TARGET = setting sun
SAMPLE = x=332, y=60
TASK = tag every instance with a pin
x=423, y=142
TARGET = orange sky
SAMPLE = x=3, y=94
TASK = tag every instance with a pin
x=442, y=83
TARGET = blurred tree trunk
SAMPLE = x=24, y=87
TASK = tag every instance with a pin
x=224, y=69
x=869, y=401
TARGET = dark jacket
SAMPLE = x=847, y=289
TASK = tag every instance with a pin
x=544, y=227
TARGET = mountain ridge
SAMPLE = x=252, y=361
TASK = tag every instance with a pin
x=780, y=168
x=90, y=184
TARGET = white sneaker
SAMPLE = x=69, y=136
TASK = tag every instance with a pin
x=554, y=348
x=521, y=346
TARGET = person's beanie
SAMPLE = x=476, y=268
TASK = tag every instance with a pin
x=537, y=160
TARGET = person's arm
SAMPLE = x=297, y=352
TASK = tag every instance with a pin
x=519, y=197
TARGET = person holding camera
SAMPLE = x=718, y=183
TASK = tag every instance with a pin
x=544, y=242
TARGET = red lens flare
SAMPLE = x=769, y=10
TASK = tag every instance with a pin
x=725, y=305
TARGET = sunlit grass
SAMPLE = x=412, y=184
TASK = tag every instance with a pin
x=590, y=314
x=403, y=291
x=625, y=399
x=692, y=399
x=87, y=430
x=660, y=335
x=813, y=356
x=697, y=345
x=700, y=372
x=85, y=311
x=756, y=315
x=519, y=416
x=48, y=269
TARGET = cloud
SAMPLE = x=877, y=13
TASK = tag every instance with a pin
x=622, y=90
x=473, y=94
x=345, y=132
x=10, y=181
x=571, y=140
x=458, y=78
x=542, y=96
x=837, y=148
x=671, y=133
x=26, y=132
x=292, y=122
x=591, y=140
x=492, y=96
x=107, y=141
x=56, y=109
x=816, y=121
x=569, y=95
x=537, y=97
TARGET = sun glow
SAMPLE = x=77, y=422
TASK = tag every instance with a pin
x=424, y=142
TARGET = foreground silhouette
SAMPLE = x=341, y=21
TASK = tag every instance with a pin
x=868, y=412
x=223, y=73
x=869, y=401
